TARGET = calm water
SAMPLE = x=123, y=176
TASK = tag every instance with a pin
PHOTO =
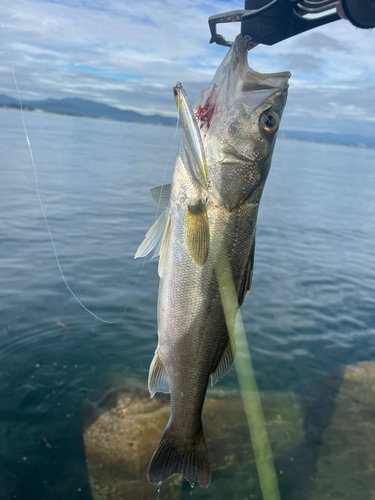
x=310, y=310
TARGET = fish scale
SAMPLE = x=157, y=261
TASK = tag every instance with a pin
x=194, y=344
x=193, y=333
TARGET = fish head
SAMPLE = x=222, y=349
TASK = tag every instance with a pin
x=240, y=139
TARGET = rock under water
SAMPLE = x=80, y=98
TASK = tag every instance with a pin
x=121, y=438
x=346, y=464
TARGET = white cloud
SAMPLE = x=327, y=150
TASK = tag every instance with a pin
x=129, y=54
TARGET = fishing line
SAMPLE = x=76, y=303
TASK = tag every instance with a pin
x=156, y=214
x=166, y=165
x=42, y=206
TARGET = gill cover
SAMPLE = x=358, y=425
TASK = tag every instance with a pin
x=238, y=117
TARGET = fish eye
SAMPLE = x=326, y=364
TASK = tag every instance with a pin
x=175, y=92
x=269, y=122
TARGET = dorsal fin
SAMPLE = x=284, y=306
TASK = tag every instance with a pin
x=164, y=246
x=161, y=195
x=157, y=378
x=153, y=235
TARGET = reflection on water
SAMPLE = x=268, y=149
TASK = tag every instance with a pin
x=310, y=309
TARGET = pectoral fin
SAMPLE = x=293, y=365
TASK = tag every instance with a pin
x=197, y=234
x=157, y=378
x=224, y=365
x=161, y=195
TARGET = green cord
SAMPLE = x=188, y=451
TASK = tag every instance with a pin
x=246, y=378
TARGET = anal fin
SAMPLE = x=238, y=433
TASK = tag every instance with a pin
x=224, y=365
x=197, y=233
x=157, y=378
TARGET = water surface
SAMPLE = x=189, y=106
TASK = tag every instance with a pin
x=311, y=307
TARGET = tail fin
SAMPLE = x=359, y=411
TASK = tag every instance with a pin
x=177, y=455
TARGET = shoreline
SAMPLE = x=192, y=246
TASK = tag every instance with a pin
x=281, y=136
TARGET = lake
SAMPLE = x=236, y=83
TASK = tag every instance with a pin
x=310, y=311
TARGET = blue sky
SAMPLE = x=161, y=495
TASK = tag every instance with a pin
x=129, y=54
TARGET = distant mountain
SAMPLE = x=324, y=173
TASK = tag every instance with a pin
x=82, y=107
x=348, y=139
x=4, y=99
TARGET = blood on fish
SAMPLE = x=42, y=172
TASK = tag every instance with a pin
x=206, y=113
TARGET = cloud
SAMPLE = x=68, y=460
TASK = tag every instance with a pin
x=303, y=62
x=130, y=54
x=322, y=42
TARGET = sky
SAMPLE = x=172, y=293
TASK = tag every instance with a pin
x=130, y=53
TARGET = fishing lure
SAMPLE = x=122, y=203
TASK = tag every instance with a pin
x=198, y=168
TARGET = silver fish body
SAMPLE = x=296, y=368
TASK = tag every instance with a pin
x=193, y=336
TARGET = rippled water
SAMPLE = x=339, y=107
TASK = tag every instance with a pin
x=311, y=307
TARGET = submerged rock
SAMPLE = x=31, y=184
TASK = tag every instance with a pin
x=121, y=438
x=346, y=463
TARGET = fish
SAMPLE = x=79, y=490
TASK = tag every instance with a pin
x=196, y=235
x=238, y=117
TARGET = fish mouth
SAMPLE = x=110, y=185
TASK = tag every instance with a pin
x=234, y=158
x=265, y=81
